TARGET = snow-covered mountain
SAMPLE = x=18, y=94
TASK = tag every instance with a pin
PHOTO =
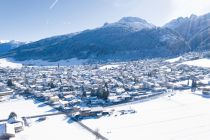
x=131, y=23
x=4, y=41
x=129, y=38
x=7, y=45
x=195, y=30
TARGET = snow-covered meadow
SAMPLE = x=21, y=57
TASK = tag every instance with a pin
x=200, y=63
x=174, y=59
x=184, y=116
x=53, y=128
x=4, y=63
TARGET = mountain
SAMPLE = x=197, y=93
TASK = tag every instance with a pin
x=4, y=41
x=130, y=38
x=6, y=45
x=130, y=23
x=195, y=30
x=45, y=42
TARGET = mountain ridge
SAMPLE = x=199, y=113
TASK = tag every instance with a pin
x=195, y=30
x=7, y=45
x=128, y=38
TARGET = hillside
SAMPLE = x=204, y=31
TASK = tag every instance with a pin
x=195, y=30
x=128, y=39
x=6, y=46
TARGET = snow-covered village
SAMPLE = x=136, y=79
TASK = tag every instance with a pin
x=123, y=100
x=104, y=70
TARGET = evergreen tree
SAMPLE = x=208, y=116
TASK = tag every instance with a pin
x=103, y=92
x=9, y=83
x=84, y=94
x=51, y=85
x=194, y=85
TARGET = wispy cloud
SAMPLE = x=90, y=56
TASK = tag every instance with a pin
x=188, y=7
x=53, y=4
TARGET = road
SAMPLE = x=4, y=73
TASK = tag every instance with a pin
x=97, y=134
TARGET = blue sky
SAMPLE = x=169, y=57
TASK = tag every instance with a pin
x=30, y=20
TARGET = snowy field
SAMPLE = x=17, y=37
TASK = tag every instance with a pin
x=53, y=128
x=4, y=63
x=184, y=116
x=174, y=59
x=68, y=62
x=23, y=108
x=200, y=63
x=108, y=67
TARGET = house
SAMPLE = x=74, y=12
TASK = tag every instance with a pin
x=7, y=131
x=206, y=91
x=18, y=126
x=115, y=99
x=96, y=111
x=37, y=94
x=17, y=123
x=97, y=102
x=5, y=93
x=27, y=121
x=74, y=102
x=119, y=90
x=126, y=97
x=69, y=97
x=63, y=104
x=12, y=118
x=75, y=108
x=84, y=112
x=90, y=112
x=53, y=99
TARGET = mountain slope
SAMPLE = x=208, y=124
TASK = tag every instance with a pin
x=129, y=38
x=6, y=46
x=195, y=29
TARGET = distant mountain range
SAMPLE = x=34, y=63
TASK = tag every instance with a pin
x=195, y=30
x=130, y=38
x=7, y=45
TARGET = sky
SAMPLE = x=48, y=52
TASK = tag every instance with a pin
x=31, y=20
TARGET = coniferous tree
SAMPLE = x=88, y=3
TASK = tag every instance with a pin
x=9, y=83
